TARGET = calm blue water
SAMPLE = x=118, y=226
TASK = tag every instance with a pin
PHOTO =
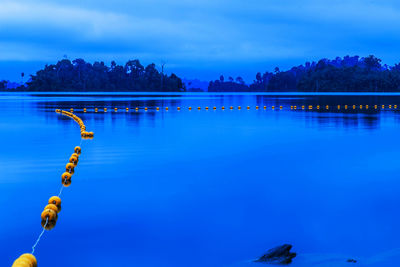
x=201, y=188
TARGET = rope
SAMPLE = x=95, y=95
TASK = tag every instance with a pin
x=40, y=236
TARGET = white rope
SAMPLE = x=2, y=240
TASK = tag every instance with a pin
x=40, y=236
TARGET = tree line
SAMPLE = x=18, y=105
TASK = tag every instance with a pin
x=348, y=74
x=82, y=76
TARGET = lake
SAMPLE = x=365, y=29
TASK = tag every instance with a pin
x=202, y=188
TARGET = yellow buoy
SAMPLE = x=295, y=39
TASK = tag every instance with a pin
x=56, y=201
x=190, y=108
x=72, y=110
x=302, y=107
x=178, y=108
x=256, y=107
x=239, y=107
x=345, y=106
x=51, y=207
x=206, y=108
x=66, y=176
x=327, y=107
x=49, y=224
x=383, y=106
x=73, y=160
x=116, y=109
x=77, y=150
x=318, y=107
x=157, y=108
x=84, y=109
x=70, y=168
x=280, y=107
x=66, y=183
x=222, y=107
x=214, y=108
x=265, y=107
x=30, y=258
x=273, y=107
x=105, y=109
x=49, y=214
x=199, y=108
x=166, y=108
x=338, y=106
x=145, y=108
x=127, y=109
x=25, y=260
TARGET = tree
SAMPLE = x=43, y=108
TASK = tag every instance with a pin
x=372, y=63
x=239, y=80
x=79, y=75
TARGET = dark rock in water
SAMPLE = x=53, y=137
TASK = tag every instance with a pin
x=351, y=260
x=278, y=255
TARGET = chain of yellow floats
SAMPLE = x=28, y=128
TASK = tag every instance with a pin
x=50, y=212
x=303, y=107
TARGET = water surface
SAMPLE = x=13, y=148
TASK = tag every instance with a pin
x=202, y=188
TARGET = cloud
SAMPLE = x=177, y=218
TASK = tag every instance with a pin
x=192, y=34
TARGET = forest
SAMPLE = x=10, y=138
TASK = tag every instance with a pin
x=348, y=74
x=81, y=76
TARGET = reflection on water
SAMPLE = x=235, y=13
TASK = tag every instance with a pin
x=325, y=118
x=202, y=188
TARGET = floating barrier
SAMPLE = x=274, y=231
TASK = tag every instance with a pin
x=49, y=215
x=25, y=260
x=338, y=107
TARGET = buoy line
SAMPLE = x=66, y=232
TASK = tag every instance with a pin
x=278, y=107
x=50, y=212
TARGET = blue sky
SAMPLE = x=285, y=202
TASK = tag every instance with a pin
x=197, y=39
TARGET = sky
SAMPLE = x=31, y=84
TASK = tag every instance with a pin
x=195, y=38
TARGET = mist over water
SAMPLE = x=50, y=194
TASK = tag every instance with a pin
x=202, y=188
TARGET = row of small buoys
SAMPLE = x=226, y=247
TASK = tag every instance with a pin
x=309, y=107
x=25, y=260
x=50, y=213
x=303, y=107
x=84, y=133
